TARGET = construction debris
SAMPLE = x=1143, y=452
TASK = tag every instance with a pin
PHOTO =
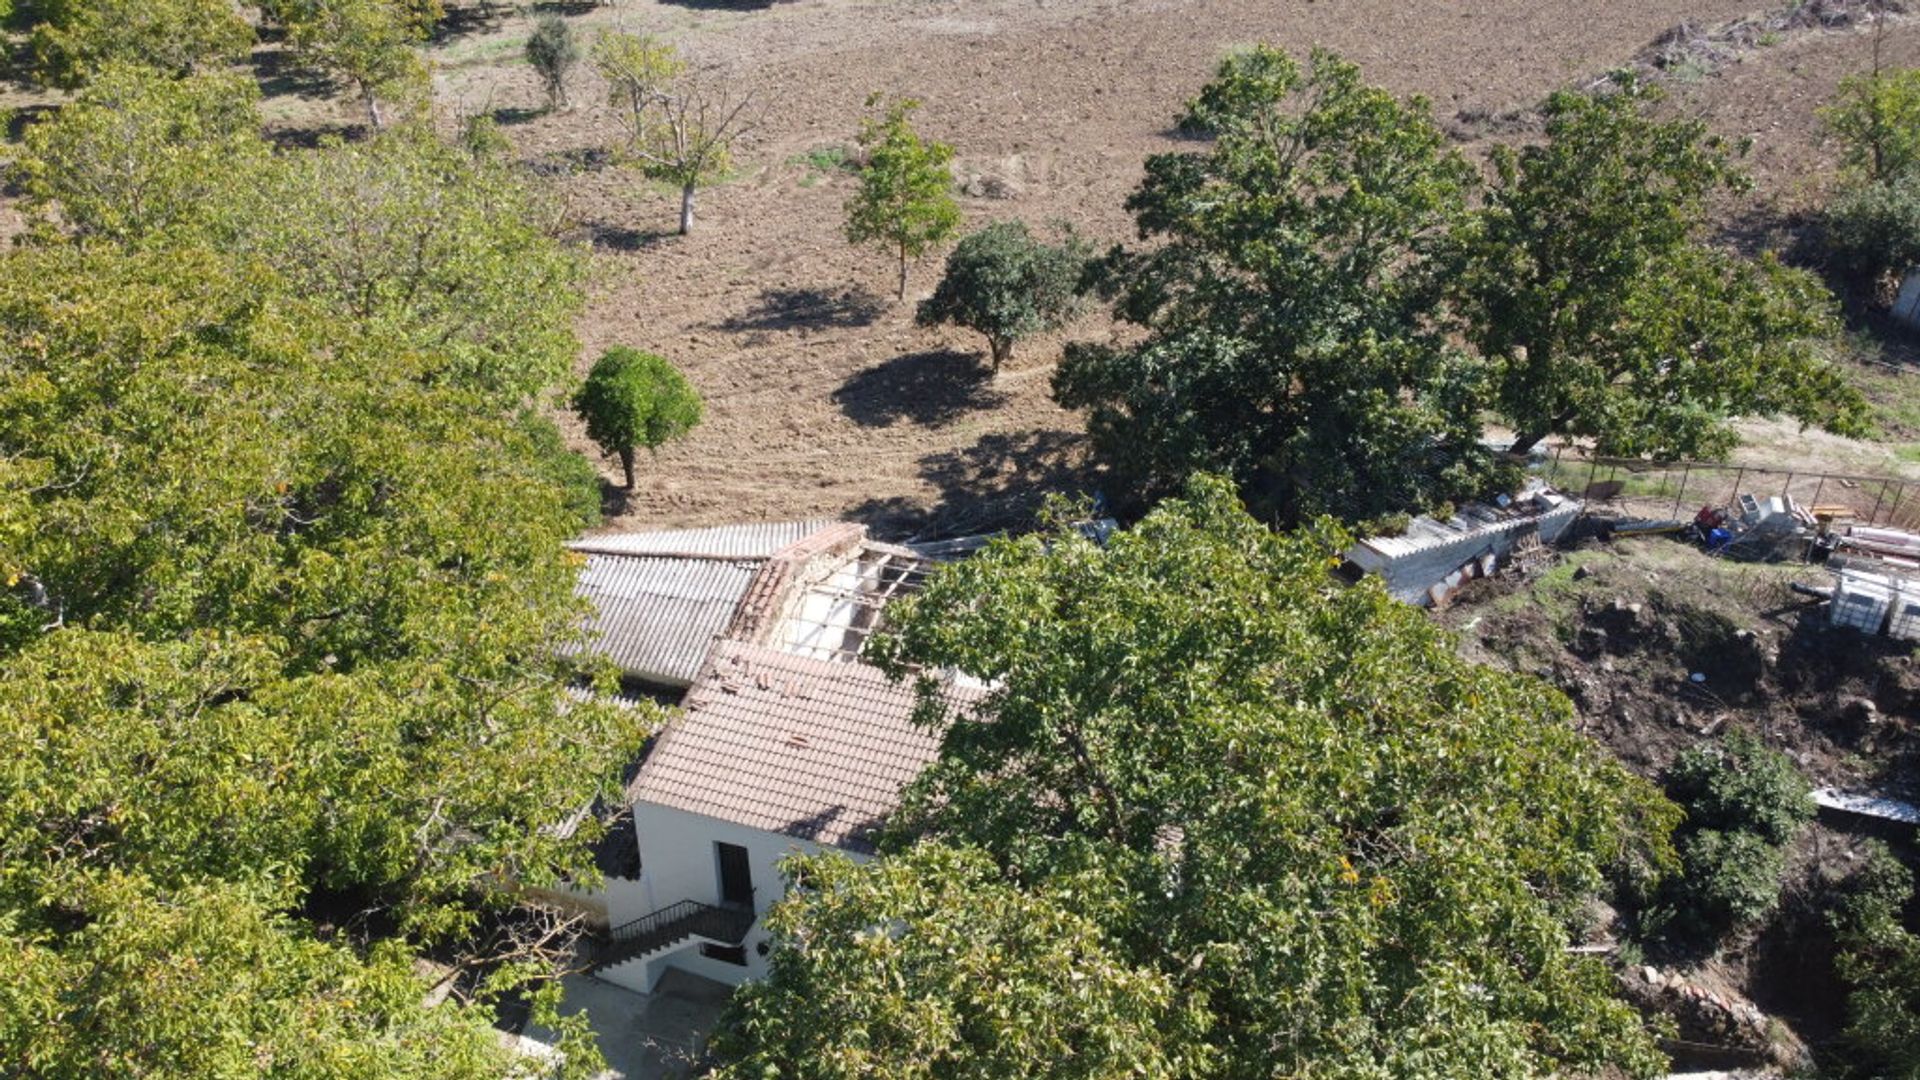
x=1432, y=558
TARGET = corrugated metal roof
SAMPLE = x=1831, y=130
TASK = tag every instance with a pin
x=656, y=616
x=725, y=541
x=792, y=745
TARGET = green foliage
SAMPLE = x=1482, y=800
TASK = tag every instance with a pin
x=211, y=982
x=905, y=200
x=634, y=399
x=1744, y=803
x=1360, y=852
x=1879, y=957
x=1874, y=229
x=420, y=245
x=677, y=129
x=1602, y=314
x=553, y=51
x=266, y=635
x=1877, y=116
x=1741, y=784
x=1007, y=285
x=368, y=44
x=1289, y=341
x=77, y=39
x=927, y=965
x=139, y=153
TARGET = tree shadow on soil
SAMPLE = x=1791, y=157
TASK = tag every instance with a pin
x=567, y=7
x=509, y=115
x=931, y=389
x=1000, y=482
x=468, y=19
x=807, y=309
x=620, y=237
x=281, y=74
x=724, y=5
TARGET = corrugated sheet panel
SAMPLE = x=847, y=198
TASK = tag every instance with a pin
x=656, y=617
x=804, y=747
x=725, y=541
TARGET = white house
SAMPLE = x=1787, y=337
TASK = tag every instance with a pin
x=786, y=742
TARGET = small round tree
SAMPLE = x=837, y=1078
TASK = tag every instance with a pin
x=1007, y=285
x=633, y=399
x=553, y=51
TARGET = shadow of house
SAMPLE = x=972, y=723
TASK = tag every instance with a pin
x=931, y=389
x=804, y=309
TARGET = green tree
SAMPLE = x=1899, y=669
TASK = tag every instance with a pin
x=633, y=399
x=677, y=128
x=1007, y=285
x=553, y=52
x=905, y=200
x=265, y=639
x=76, y=39
x=1877, y=116
x=1290, y=308
x=139, y=153
x=420, y=243
x=368, y=44
x=1603, y=315
x=927, y=965
x=1292, y=797
x=1874, y=221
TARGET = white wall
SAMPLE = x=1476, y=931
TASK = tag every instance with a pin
x=678, y=862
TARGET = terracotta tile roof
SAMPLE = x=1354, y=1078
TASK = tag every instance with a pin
x=809, y=748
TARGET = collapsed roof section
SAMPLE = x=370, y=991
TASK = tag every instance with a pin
x=815, y=589
x=1433, y=557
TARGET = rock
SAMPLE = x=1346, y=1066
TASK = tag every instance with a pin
x=1582, y=573
x=1652, y=974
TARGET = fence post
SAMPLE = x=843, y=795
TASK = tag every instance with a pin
x=1873, y=515
x=1737, y=477
x=1817, y=489
x=1898, y=493
x=1786, y=488
x=1686, y=470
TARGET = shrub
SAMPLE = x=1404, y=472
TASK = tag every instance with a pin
x=1741, y=785
x=1880, y=960
x=1728, y=880
x=553, y=51
x=1874, y=228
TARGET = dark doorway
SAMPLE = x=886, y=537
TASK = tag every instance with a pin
x=736, y=877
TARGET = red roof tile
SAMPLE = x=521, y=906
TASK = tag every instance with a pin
x=810, y=748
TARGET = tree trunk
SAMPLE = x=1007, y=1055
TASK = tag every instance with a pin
x=626, y=463
x=686, y=209
x=373, y=108
x=903, y=271
x=1524, y=441
x=1002, y=348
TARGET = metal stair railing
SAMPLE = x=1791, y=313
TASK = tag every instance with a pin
x=673, y=924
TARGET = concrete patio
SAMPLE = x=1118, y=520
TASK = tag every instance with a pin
x=657, y=1036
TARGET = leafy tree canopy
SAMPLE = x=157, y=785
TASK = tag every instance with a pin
x=1007, y=285
x=905, y=199
x=553, y=51
x=633, y=399
x=927, y=965
x=1292, y=798
x=1290, y=343
x=265, y=636
x=76, y=39
x=1602, y=314
x=369, y=44
x=1877, y=116
x=137, y=153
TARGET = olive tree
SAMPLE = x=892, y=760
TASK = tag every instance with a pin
x=905, y=200
x=633, y=399
x=1007, y=285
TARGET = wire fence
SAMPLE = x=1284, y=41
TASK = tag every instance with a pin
x=1677, y=489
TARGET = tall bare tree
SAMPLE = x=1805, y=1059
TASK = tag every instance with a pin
x=679, y=126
